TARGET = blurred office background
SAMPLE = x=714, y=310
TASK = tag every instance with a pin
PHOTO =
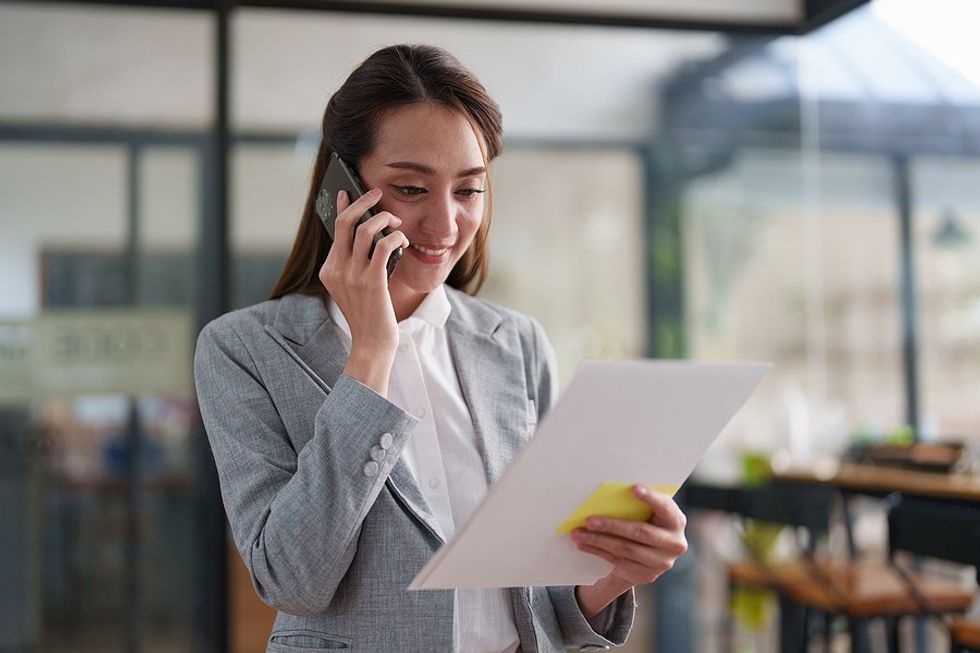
x=724, y=192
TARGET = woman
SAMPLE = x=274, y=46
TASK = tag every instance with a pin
x=355, y=422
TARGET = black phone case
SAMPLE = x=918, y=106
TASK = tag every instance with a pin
x=339, y=177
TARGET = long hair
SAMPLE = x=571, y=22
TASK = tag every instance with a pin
x=392, y=77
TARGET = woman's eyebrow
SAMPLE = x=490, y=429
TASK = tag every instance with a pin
x=426, y=170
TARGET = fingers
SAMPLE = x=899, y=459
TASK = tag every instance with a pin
x=640, y=551
x=365, y=232
x=353, y=241
x=349, y=262
x=384, y=248
x=642, y=533
x=627, y=570
x=666, y=512
x=347, y=215
x=343, y=201
x=656, y=557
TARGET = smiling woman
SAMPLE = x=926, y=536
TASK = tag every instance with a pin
x=392, y=96
x=344, y=413
x=430, y=167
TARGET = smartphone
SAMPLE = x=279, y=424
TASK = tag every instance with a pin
x=339, y=176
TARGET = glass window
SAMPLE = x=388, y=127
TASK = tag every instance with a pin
x=564, y=247
x=778, y=268
x=947, y=261
x=100, y=208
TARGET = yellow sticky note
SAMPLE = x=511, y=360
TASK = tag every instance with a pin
x=614, y=500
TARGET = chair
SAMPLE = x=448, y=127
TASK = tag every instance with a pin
x=912, y=527
x=804, y=509
x=862, y=592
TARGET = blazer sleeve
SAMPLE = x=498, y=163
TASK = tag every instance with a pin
x=295, y=515
x=612, y=626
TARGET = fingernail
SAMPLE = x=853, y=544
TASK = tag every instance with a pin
x=643, y=490
x=374, y=192
x=342, y=194
x=595, y=522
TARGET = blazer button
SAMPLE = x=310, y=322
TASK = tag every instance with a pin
x=377, y=453
x=386, y=440
x=371, y=468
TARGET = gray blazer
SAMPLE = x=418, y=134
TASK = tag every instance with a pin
x=332, y=540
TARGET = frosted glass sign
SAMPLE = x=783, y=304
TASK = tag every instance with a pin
x=97, y=351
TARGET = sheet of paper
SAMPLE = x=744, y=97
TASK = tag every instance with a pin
x=618, y=422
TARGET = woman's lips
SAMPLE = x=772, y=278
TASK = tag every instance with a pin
x=431, y=255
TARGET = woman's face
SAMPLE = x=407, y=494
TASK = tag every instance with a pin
x=429, y=167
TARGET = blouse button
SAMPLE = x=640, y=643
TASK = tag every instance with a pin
x=433, y=483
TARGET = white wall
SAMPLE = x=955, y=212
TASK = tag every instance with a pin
x=114, y=66
x=54, y=195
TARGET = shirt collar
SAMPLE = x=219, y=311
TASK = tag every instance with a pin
x=434, y=311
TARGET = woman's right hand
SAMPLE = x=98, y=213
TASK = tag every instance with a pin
x=358, y=284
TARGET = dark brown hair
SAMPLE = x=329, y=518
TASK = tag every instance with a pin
x=392, y=77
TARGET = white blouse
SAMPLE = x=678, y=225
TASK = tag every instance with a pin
x=444, y=456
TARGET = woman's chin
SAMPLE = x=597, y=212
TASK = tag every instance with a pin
x=417, y=282
x=418, y=277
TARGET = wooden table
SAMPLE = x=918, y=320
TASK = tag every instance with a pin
x=880, y=481
x=856, y=479
x=870, y=480
x=849, y=479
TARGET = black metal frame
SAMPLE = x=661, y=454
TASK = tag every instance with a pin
x=820, y=12
x=816, y=13
x=215, y=292
x=908, y=294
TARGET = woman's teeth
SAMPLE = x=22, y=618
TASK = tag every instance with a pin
x=430, y=252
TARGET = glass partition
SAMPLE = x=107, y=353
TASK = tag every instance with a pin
x=101, y=192
x=947, y=259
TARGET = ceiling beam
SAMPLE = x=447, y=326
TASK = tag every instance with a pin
x=816, y=13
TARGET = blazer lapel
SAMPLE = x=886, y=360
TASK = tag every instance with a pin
x=304, y=329
x=491, y=375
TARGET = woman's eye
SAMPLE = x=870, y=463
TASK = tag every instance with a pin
x=415, y=190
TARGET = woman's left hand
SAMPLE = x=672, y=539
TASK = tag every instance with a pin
x=640, y=552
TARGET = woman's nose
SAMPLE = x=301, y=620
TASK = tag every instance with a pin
x=440, y=218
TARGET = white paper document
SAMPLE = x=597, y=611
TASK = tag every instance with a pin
x=638, y=421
